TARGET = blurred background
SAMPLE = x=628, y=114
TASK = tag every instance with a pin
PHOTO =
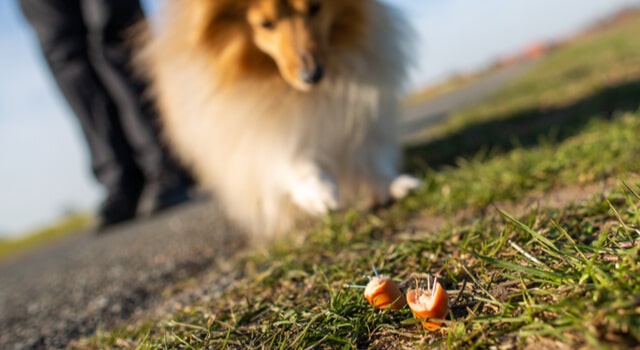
x=44, y=167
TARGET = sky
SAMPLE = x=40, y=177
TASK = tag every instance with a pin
x=44, y=164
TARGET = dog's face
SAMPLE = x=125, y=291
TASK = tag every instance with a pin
x=295, y=34
x=295, y=39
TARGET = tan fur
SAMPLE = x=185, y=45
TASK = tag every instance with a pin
x=269, y=145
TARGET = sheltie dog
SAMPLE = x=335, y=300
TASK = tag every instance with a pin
x=282, y=107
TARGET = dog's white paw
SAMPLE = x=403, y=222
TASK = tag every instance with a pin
x=402, y=185
x=316, y=196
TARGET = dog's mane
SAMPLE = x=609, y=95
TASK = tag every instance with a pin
x=242, y=136
x=221, y=29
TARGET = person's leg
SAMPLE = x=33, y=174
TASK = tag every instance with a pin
x=62, y=34
x=109, y=22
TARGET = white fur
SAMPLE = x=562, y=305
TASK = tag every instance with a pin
x=270, y=152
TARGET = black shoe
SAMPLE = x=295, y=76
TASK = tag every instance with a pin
x=116, y=209
x=169, y=197
x=160, y=196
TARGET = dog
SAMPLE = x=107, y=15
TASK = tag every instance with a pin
x=283, y=108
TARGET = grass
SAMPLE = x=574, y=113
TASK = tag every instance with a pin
x=40, y=237
x=442, y=88
x=540, y=277
x=593, y=78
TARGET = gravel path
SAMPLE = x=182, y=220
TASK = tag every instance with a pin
x=418, y=117
x=67, y=290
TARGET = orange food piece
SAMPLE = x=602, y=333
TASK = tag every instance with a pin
x=427, y=304
x=381, y=292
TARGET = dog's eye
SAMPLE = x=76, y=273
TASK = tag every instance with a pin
x=314, y=8
x=266, y=24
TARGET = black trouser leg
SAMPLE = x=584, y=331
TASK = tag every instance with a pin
x=85, y=45
x=63, y=37
x=108, y=22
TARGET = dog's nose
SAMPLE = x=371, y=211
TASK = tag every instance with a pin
x=312, y=76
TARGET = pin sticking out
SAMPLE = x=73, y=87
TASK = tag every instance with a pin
x=430, y=303
x=382, y=292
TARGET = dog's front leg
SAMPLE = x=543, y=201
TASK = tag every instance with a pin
x=312, y=189
x=386, y=181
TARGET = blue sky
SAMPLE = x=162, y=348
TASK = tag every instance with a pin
x=44, y=165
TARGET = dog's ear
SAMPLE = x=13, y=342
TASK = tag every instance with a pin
x=198, y=12
x=220, y=27
x=211, y=20
x=350, y=24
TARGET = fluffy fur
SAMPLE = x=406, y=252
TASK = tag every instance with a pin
x=272, y=150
